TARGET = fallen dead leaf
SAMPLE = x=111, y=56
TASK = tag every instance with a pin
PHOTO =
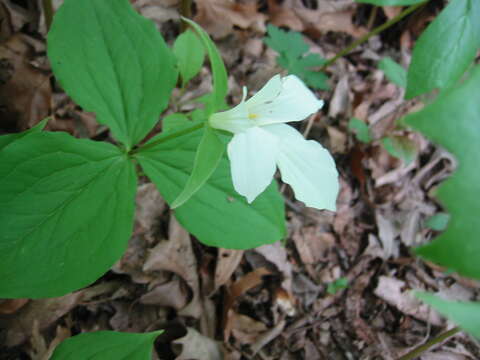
x=227, y=262
x=195, y=346
x=11, y=306
x=218, y=17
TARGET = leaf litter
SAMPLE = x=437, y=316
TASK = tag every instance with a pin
x=271, y=302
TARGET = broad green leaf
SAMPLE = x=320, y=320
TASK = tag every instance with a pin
x=464, y=314
x=68, y=213
x=293, y=56
x=215, y=214
x=6, y=140
x=361, y=130
x=220, y=78
x=391, y=2
x=400, y=147
x=339, y=284
x=446, y=48
x=174, y=121
x=438, y=221
x=208, y=155
x=453, y=121
x=190, y=53
x=107, y=345
x=113, y=62
x=393, y=71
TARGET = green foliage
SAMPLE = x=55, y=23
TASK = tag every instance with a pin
x=220, y=79
x=391, y=2
x=393, y=71
x=209, y=153
x=293, y=57
x=5, y=140
x=107, y=345
x=446, y=48
x=113, y=62
x=438, y=221
x=452, y=121
x=361, y=130
x=67, y=222
x=400, y=147
x=190, y=54
x=216, y=214
x=337, y=285
x=465, y=314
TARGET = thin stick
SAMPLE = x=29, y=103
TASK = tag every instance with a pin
x=419, y=350
x=185, y=11
x=48, y=11
x=374, y=32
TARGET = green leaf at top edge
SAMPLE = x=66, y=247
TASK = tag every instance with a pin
x=216, y=214
x=453, y=121
x=107, y=345
x=445, y=49
x=113, y=62
x=220, y=79
x=190, y=53
x=70, y=208
x=464, y=314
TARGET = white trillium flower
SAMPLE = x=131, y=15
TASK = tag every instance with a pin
x=262, y=141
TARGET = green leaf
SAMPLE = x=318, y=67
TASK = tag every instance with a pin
x=446, y=48
x=113, y=62
x=339, y=284
x=452, y=121
x=293, y=56
x=209, y=153
x=464, y=314
x=69, y=213
x=107, y=345
x=6, y=140
x=220, y=78
x=400, y=147
x=361, y=130
x=438, y=221
x=190, y=53
x=391, y=2
x=216, y=214
x=174, y=121
x=393, y=71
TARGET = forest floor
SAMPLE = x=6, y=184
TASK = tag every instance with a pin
x=340, y=286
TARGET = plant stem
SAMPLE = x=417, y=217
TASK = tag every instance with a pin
x=429, y=344
x=374, y=32
x=169, y=137
x=185, y=11
x=48, y=11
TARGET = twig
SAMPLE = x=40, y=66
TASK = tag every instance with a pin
x=429, y=344
x=185, y=11
x=48, y=12
x=374, y=32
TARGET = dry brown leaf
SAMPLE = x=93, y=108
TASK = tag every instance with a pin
x=277, y=255
x=227, y=262
x=218, y=17
x=176, y=255
x=245, y=329
x=45, y=311
x=11, y=306
x=195, y=346
x=173, y=294
x=150, y=206
x=396, y=293
x=24, y=90
x=312, y=244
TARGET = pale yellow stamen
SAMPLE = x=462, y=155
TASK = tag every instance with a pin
x=252, y=116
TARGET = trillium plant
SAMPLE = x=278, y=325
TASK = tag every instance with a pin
x=72, y=201
x=69, y=203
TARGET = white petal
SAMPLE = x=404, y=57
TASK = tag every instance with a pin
x=294, y=102
x=252, y=157
x=307, y=167
x=234, y=120
x=268, y=92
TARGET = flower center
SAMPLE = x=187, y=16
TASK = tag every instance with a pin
x=252, y=116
